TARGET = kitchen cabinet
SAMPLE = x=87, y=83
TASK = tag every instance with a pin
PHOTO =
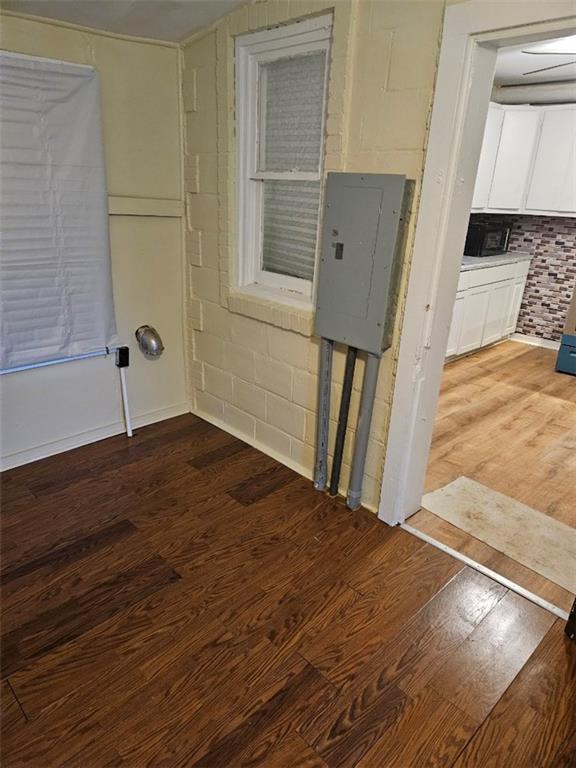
x=474, y=318
x=553, y=183
x=488, y=156
x=486, y=307
x=514, y=307
x=456, y=325
x=527, y=161
x=498, y=312
x=514, y=158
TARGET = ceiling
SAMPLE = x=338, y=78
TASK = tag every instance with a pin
x=513, y=63
x=172, y=20
x=175, y=20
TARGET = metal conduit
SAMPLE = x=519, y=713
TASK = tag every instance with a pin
x=369, y=383
x=343, y=419
x=323, y=414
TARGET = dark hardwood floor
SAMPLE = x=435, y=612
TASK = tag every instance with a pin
x=180, y=599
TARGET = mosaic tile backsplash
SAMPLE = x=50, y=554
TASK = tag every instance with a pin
x=552, y=276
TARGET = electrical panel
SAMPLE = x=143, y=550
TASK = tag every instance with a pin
x=362, y=240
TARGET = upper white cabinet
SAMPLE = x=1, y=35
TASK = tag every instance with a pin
x=488, y=156
x=528, y=161
x=553, y=183
x=513, y=159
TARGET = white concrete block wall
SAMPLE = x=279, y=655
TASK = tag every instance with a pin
x=254, y=364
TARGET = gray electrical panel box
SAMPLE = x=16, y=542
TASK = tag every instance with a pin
x=362, y=239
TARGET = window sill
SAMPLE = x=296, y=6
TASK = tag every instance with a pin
x=269, y=306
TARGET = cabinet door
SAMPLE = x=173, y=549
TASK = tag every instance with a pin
x=514, y=158
x=498, y=311
x=514, y=307
x=456, y=325
x=553, y=183
x=488, y=156
x=474, y=318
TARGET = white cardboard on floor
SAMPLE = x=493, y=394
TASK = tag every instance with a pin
x=528, y=536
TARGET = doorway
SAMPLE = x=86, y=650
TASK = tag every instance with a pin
x=464, y=84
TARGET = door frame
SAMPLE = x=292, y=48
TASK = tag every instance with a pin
x=472, y=34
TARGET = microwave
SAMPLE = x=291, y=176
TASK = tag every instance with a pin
x=486, y=239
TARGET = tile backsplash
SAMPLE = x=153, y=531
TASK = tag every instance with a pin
x=552, y=276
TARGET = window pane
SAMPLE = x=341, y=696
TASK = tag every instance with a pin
x=291, y=109
x=290, y=227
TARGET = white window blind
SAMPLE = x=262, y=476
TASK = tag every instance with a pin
x=290, y=224
x=291, y=103
x=55, y=275
x=281, y=105
x=291, y=113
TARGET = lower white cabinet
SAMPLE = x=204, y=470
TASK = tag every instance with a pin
x=476, y=302
x=456, y=325
x=517, y=293
x=498, y=312
x=486, y=307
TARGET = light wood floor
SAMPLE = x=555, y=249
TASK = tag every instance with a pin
x=182, y=600
x=508, y=421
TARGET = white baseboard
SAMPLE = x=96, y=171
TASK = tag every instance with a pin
x=279, y=457
x=91, y=436
x=251, y=440
x=535, y=341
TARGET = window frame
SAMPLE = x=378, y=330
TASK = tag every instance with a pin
x=304, y=37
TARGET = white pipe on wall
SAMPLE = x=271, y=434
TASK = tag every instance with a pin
x=32, y=366
x=127, y=419
x=99, y=353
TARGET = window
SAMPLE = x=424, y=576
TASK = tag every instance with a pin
x=281, y=86
x=55, y=274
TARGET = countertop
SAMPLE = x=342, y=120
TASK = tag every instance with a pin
x=482, y=262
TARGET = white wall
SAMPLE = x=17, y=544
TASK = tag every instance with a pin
x=48, y=410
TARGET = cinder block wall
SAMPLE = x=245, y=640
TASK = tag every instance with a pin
x=254, y=363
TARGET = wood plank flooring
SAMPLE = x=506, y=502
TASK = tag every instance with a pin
x=508, y=421
x=180, y=599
